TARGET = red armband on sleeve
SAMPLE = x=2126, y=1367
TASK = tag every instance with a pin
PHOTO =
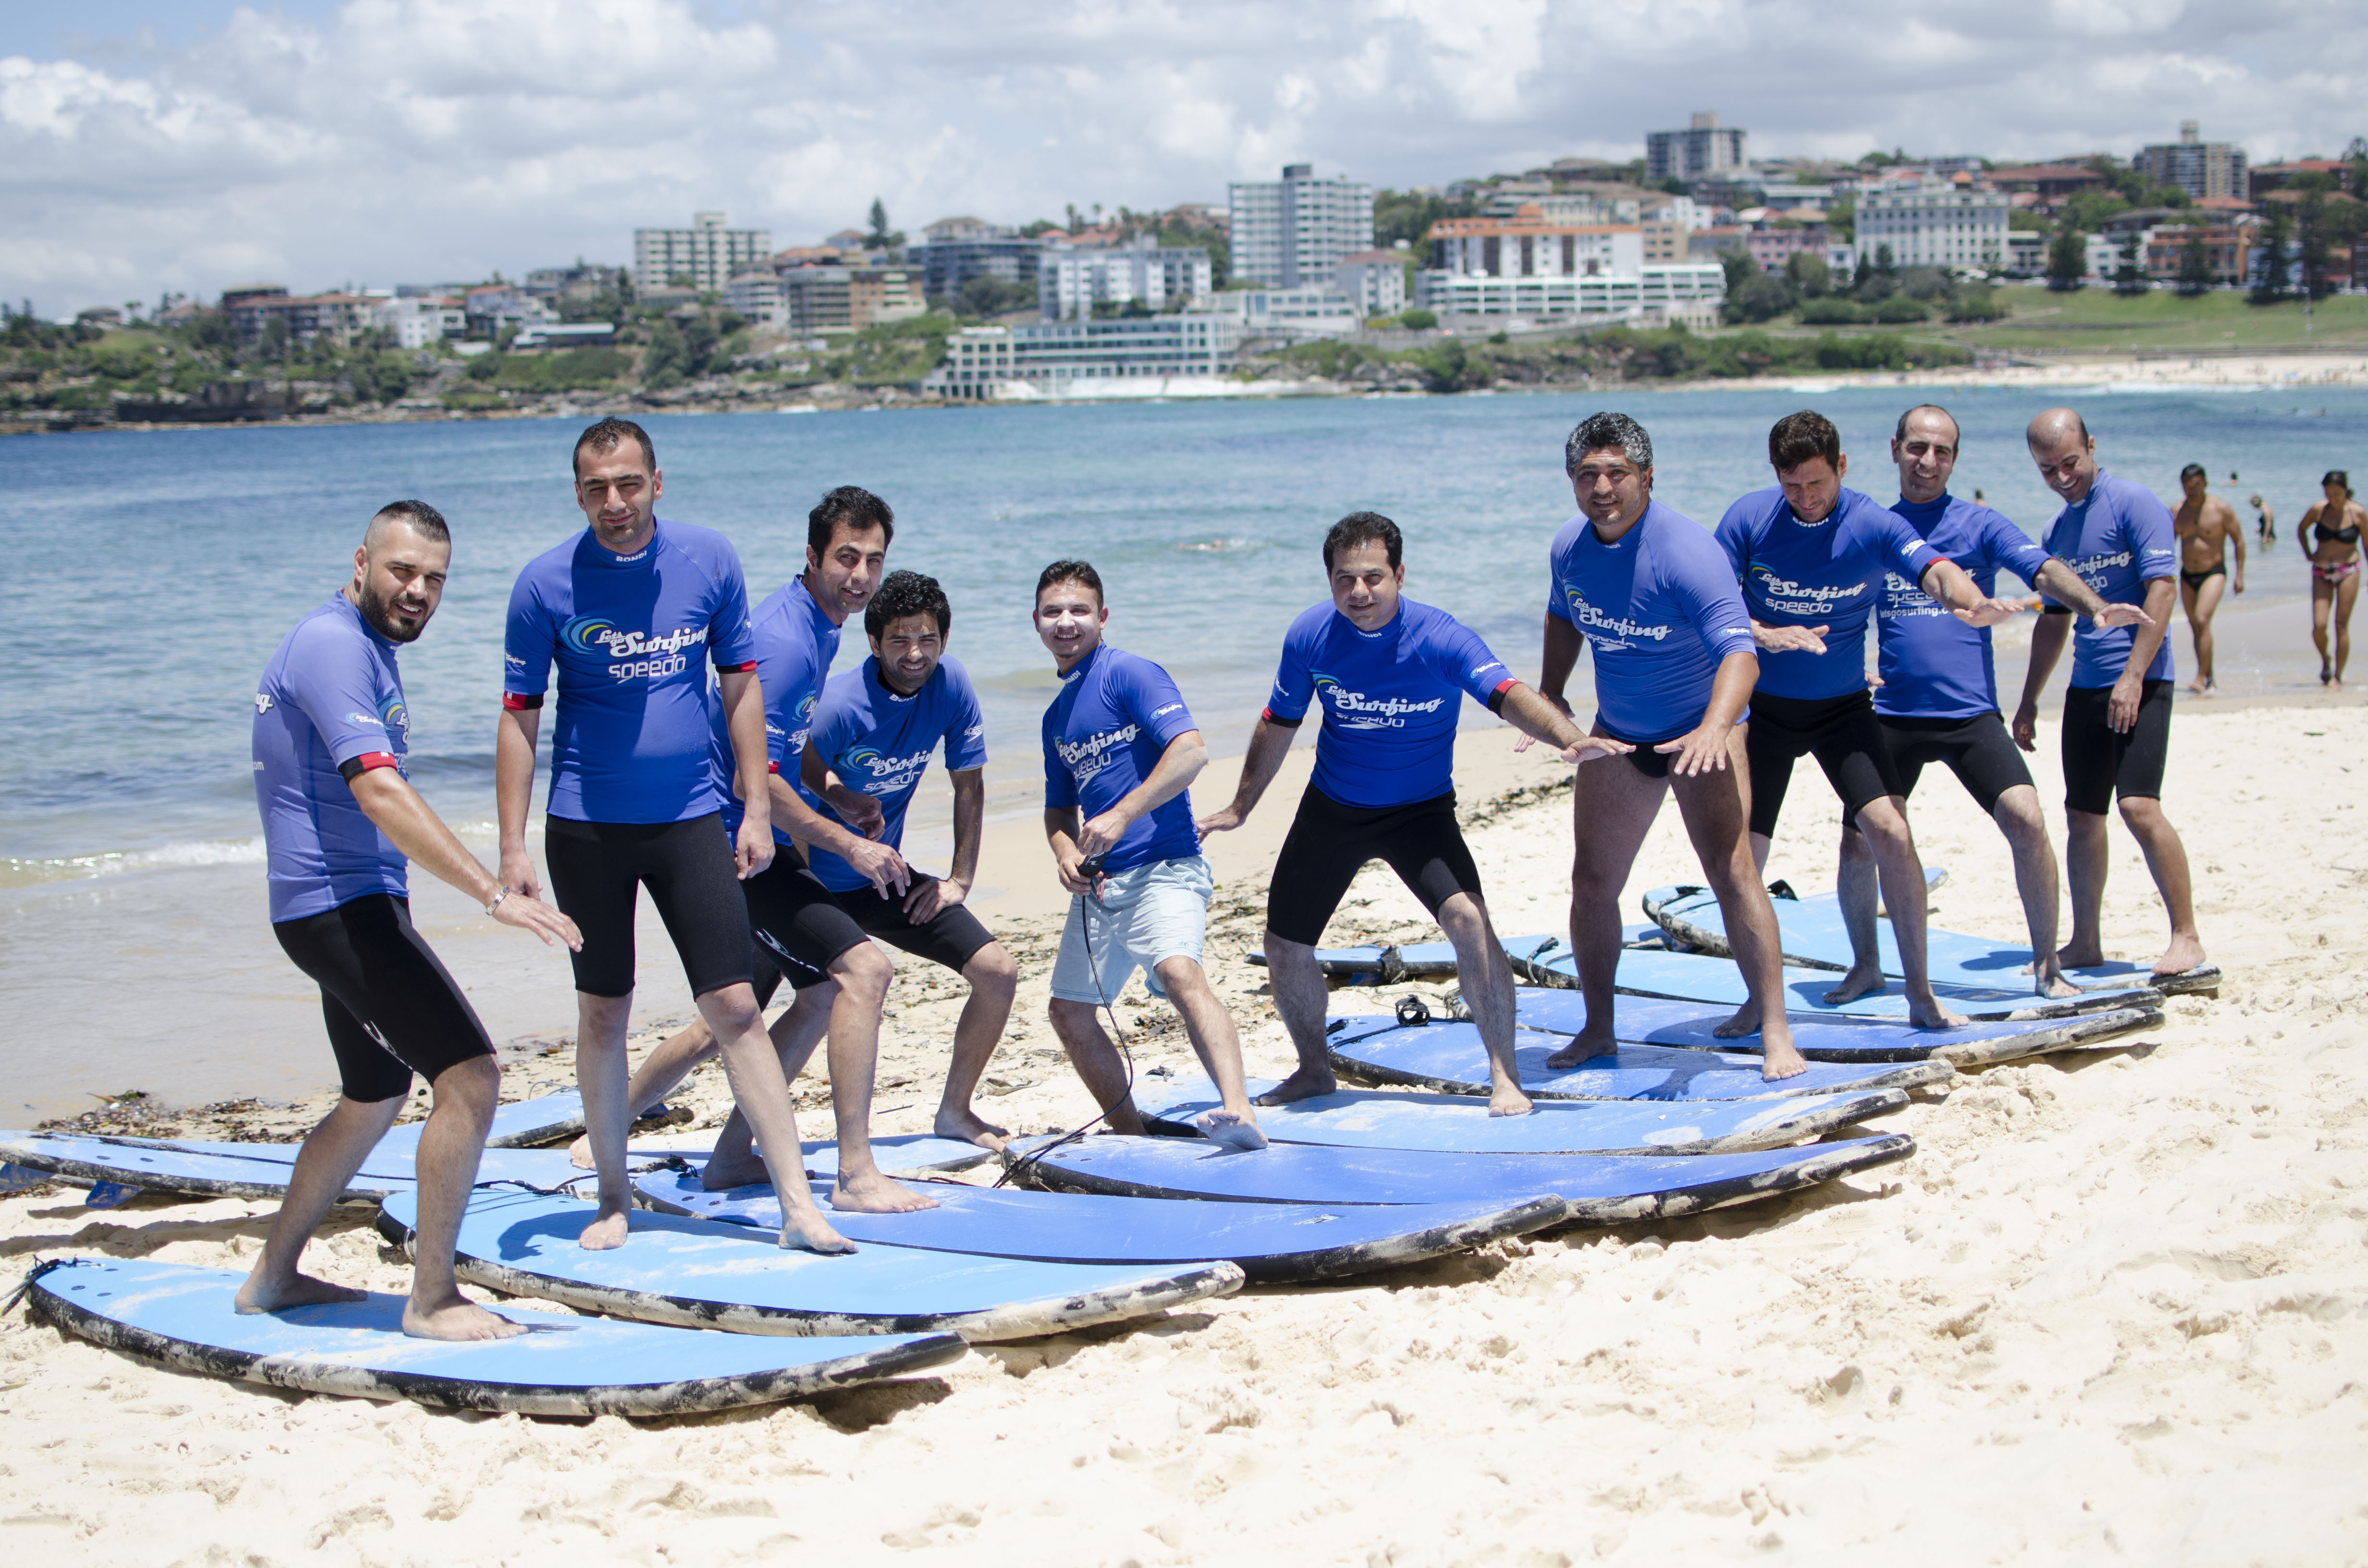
x=1497, y=698
x=773, y=767
x=742, y=668
x=354, y=767
x=521, y=701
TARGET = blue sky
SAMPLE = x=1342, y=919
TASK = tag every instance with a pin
x=147, y=146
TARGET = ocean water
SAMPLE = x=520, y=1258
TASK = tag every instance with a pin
x=152, y=574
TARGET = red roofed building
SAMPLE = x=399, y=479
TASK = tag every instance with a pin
x=2274, y=176
x=2051, y=183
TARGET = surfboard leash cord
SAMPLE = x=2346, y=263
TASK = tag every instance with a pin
x=1091, y=868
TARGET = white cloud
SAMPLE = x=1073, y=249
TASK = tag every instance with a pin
x=434, y=138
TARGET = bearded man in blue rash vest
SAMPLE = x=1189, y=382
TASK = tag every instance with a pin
x=2121, y=541
x=1388, y=674
x=1812, y=557
x=1938, y=698
x=1120, y=752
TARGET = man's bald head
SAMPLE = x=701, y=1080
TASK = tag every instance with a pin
x=2066, y=455
x=2056, y=425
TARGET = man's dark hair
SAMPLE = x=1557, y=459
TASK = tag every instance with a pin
x=1798, y=438
x=1598, y=431
x=2193, y=470
x=424, y=519
x=852, y=507
x=609, y=434
x=1081, y=572
x=1957, y=431
x=906, y=593
x=1364, y=528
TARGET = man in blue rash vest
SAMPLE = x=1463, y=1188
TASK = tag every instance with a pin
x=340, y=824
x=2120, y=541
x=1938, y=698
x=630, y=611
x=1120, y=752
x=1650, y=591
x=1388, y=674
x=1812, y=557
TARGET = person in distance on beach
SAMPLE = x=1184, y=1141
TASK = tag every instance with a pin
x=631, y=610
x=2330, y=536
x=2207, y=529
x=1938, y=701
x=862, y=752
x=2118, y=540
x=1120, y=752
x=1649, y=590
x=1812, y=557
x=1386, y=673
x=340, y=824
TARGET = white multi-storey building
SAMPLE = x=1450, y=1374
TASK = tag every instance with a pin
x=1070, y=283
x=707, y=253
x=1529, y=269
x=758, y=295
x=1292, y=232
x=1705, y=149
x=421, y=322
x=1375, y=281
x=1319, y=310
x=1070, y=357
x=1935, y=224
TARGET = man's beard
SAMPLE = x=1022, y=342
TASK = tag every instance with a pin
x=379, y=612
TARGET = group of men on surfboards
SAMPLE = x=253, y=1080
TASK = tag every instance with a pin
x=762, y=807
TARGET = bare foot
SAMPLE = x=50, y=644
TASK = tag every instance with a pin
x=723, y=1172
x=1507, y=1099
x=872, y=1193
x=962, y=1124
x=458, y=1318
x=2069, y=956
x=1858, y=983
x=296, y=1290
x=1304, y=1084
x=1239, y=1134
x=1929, y=1012
x=2183, y=954
x=606, y=1231
x=1780, y=1061
x=1745, y=1021
x=2196, y=686
x=803, y=1226
x=1586, y=1048
x=579, y=1153
x=2050, y=982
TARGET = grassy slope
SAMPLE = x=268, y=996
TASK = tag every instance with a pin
x=2097, y=321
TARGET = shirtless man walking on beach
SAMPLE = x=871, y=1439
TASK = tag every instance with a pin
x=341, y=822
x=1120, y=752
x=1387, y=673
x=2207, y=529
x=1651, y=593
x=2118, y=540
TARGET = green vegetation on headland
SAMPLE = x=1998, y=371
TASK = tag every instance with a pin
x=2097, y=321
x=1610, y=354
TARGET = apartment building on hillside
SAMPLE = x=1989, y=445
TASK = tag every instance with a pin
x=707, y=253
x=1294, y=231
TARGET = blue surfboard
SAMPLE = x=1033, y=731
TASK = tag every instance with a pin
x=1362, y=1118
x=1274, y=1243
x=1594, y=1188
x=1433, y=960
x=1653, y=1020
x=1695, y=977
x=1447, y=1056
x=562, y=1366
x=705, y=1274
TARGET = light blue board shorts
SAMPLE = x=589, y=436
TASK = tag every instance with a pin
x=1155, y=912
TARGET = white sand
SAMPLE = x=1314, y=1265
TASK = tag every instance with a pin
x=2112, y=1308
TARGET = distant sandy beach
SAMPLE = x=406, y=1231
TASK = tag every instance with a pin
x=2116, y=1306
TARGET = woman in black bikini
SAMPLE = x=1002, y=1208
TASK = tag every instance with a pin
x=2330, y=536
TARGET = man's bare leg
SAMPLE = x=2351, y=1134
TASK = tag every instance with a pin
x=1485, y=977
x=1854, y=884
x=863, y=972
x=2201, y=605
x=2036, y=878
x=993, y=982
x=1079, y=1027
x=2166, y=858
x=600, y=1079
x=1717, y=811
x=1613, y=806
x=1884, y=824
x=1218, y=1045
x=449, y=1146
x=762, y=1093
x=731, y=1160
x=668, y=1064
x=2086, y=858
x=1300, y=998
x=333, y=1152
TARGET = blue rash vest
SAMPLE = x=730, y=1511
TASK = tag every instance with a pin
x=1826, y=574
x=1934, y=665
x=879, y=743
x=792, y=644
x=1389, y=700
x=631, y=636
x=1103, y=736
x=330, y=695
x=1661, y=611
x=2117, y=540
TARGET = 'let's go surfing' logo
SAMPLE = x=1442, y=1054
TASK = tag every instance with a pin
x=1086, y=758
x=640, y=655
x=875, y=773
x=1355, y=710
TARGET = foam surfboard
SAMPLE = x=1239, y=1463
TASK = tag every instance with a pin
x=1433, y=960
x=1274, y=1244
x=1448, y=1057
x=1592, y=1189
x=704, y=1274
x=1654, y=1020
x=561, y=1365
x=1811, y=934
x=1694, y=977
x=1362, y=1118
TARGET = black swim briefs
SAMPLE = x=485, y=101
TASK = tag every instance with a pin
x=597, y=870
x=1329, y=843
x=2099, y=762
x=1842, y=732
x=392, y=1007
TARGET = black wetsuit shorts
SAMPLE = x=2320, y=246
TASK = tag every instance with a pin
x=597, y=870
x=1842, y=732
x=798, y=924
x=2099, y=762
x=952, y=937
x=1978, y=750
x=392, y=1007
x=1329, y=843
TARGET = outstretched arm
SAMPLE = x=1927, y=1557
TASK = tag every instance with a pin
x=1540, y=720
x=390, y=801
x=1949, y=583
x=1704, y=749
x=2062, y=585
